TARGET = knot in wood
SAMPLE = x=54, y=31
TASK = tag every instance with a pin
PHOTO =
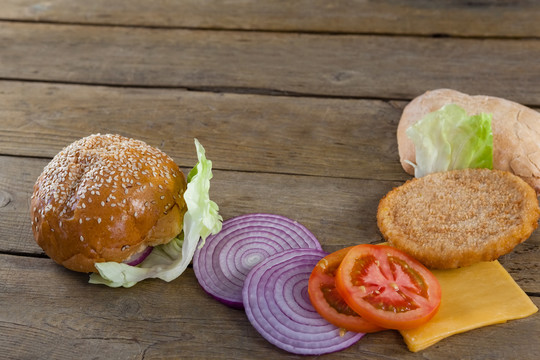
x=5, y=198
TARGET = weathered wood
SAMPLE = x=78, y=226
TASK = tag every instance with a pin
x=340, y=212
x=288, y=113
x=461, y=18
x=307, y=136
x=339, y=65
x=56, y=311
x=337, y=211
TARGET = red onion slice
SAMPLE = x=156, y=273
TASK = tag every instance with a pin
x=138, y=258
x=224, y=261
x=277, y=304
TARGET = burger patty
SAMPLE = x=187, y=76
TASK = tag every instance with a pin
x=456, y=218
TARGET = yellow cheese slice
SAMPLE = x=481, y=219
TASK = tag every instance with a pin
x=474, y=296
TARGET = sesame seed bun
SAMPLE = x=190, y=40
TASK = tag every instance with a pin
x=457, y=218
x=106, y=198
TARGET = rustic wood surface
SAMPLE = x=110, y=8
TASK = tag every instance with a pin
x=297, y=105
x=283, y=63
x=518, y=18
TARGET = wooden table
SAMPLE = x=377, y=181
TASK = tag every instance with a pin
x=297, y=104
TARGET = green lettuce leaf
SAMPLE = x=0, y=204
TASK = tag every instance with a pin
x=168, y=261
x=449, y=139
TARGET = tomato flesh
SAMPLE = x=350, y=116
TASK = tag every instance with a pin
x=388, y=287
x=332, y=297
x=327, y=300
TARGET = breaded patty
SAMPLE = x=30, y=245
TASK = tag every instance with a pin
x=457, y=218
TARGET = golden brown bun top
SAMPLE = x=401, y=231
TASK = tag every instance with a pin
x=516, y=130
x=457, y=218
x=105, y=198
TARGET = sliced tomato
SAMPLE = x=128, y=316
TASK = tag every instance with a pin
x=388, y=287
x=327, y=300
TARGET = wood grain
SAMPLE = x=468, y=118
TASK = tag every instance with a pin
x=136, y=323
x=296, y=103
x=310, y=64
x=340, y=212
x=456, y=18
x=305, y=136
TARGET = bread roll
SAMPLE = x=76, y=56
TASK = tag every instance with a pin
x=106, y=198
x=516, y=130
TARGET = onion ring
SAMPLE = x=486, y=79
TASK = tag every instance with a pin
x=139, y=257
x=224, y=261
x=277, y=304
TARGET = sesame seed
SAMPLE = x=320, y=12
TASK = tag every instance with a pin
x=162, y=197
x=80, y=221
x=92, y=158
x=81, y=238
x=99, y=220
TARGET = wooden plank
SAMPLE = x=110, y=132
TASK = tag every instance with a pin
x=337, y=211
x=343, y=138
x=170, y=320
x=338, y=65
x=340, y=212
x=458, y=18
